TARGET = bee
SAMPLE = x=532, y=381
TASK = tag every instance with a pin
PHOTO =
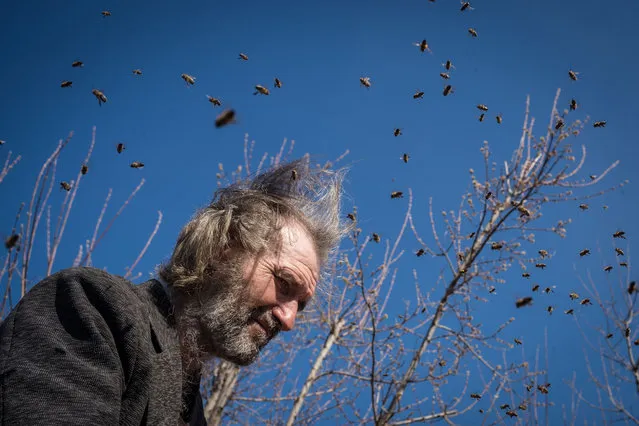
x=491, y=290
x=137, y=71
x=584, y=252
x=632, y=287
x=599, y=124
x=189, y=79
x=619, y=234
x=481, y=117
x=517, y=341
x=120, y=147
x=76, y=64
x=512, y=413
x=100, y=96
x=214, y=101
x=496, y=246
x=608, y=268
x=593, y=177
x=472, y=32
x=294, y=174
x=586, y=301
x=471, y=235
x=448, y=90
x=351, y=216
x=550, y=308
x=448, y=65
x=243, y=57
x=540, y=265
x=84, y=169
x=418, y=95
x=137, y=165
x=523, y=211
x=523, y=407
x=465, y=5
x=423, y=46
x=498, y=118
x=636, y=342
x=442, y=363
x=475, y=396
x=226, y=117
x=543, y=253
x=397, y=132
x=624, y=264
x=505, y=406
x=529, y=387
x=526, y=274
x=482, y=107
x=376, y=237
x=559, y=124
x=609, y=336
x=66, y=83
x=619, y=251
x=524, y=301
x=549, y=290
x=277, y=83
x=488, y=195
x=569, y=311
x=420, y=252
x=405, y=157
x=627, y=332
x=535, y=287
x=444, y=75
x=573, y=296
x=65, y=185
x=397, y=194
x=105, y=13
x=365, y=81
x=2, y=142
x=573, y=75
x=261, y=89
x=583, y=206
x=573, y=105
x=11, y=241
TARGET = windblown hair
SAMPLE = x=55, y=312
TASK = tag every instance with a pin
x=246, y=218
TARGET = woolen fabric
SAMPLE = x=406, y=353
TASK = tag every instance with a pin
x=84, y=347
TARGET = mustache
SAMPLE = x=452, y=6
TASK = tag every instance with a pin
x=266, y=318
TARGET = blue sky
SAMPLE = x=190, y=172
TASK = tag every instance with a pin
x=318, y=50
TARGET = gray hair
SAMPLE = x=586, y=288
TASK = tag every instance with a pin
x=246, y=217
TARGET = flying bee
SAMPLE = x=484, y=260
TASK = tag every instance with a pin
x=444, y=75
x=523, y=211
x=573, y=75
x=517, y=341
x=573, y=296
x=472, y=32
x=420, y=252
x=619, y=234
x=593, y=177
x=405, y=157
x=76, y=64
x=137, y=165
x=549, y=290
x=376, y=237
x=498, y=118
x=214, y=101
x=535, y=287
x=543, y=253
x=120, y=147
x=583, y=206
x=448, y=65
x=418, y=95
x=488, y=195
x=608, y=268
x=423, y=46
x=491, y=290
x=526, y=275
x=137, y=71
x=448, y=90
x=636, y=342
x=481, y=117
x=524, y=301
x=2, y=142
x=573, y=105
x=84, y=169
x=351, y=216
x=540, y=265
x=586, y=301
x=550, y=309
x=397, y=132
x=512, y=413
x=243, y=57
x=475, y=396
x=559, y=125
x=496, y=246
x=365, y=81
x=482, y=107
x=469, y=236
x=627, y=332
x=569, y=311
x=599, y=124
x=624, y=264
x=189, y=79
x=294, y=174
x=277, y=83
x=619, y=251
x=397, y=194
x=261, y=90
x=530, y=386
x=465, y=5
x=523, y=407
x=65, y=185
x=609, y=336
x=105, y=13
x=504, y=406
x=66, y=83
x=632, y=287
x=100, y=96
x=442, y=363
x=584, y=252
x=226, y=117
x=11, y=241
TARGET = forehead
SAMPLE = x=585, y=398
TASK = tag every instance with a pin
x=297, y=250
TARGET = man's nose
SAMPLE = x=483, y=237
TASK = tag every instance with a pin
x=286, y=313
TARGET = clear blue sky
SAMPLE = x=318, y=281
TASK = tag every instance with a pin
x=318, y=50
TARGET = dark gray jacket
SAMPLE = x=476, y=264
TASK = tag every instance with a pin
x=84, y=347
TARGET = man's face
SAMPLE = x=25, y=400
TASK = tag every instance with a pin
x=261, y=299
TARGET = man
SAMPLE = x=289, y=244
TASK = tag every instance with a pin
x=84, y=347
